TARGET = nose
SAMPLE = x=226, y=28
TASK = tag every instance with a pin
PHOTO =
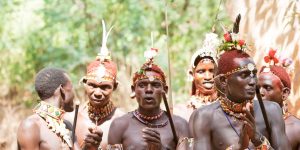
x=262, y=91
x=98, y=93
x=149, y=88
x=208, y=75
x=252, y=81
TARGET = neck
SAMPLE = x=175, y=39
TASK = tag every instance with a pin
x=147, y=112
x=54, y=101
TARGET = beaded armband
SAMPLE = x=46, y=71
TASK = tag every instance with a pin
x=115, y=147
x=265, y=145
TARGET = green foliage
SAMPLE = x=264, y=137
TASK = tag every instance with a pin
x=68, y=34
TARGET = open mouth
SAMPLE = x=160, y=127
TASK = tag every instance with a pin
x=149, y=99
x=208, y=85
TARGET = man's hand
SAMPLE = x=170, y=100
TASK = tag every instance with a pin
x=152, y=137
x=93, y=139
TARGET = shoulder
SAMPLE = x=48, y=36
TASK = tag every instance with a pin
x=29, y=128
x=206, y=111
x=119, y=113
x=32, y=121
x=179, y=120
x=121, y=121
x=69, y=116
x=273, y=109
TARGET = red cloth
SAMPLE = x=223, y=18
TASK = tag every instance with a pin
x=226, y=63
x=281, y=73
x=110, y=67
x=149, y=67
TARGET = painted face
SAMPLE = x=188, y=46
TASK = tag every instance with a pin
x=270, y=87
x=99, y=93
x=203, y=76
x=149, y=91
x=241, y=84
x=68, y=95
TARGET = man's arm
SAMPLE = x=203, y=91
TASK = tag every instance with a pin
x=28, y=135
x=279, y=138
x=199, y=126
x=116, y=130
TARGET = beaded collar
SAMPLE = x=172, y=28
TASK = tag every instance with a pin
x=199, y=101
x=232, y=108
x=53, y=116
x=148, y=124
x=149, y=118
x=100, y=113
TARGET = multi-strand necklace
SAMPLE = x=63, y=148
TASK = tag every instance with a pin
x=231, y=108
x=97, y=114
x=146, y=119
x=53, y=116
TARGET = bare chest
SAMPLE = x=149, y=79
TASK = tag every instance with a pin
x=133, y=136
x=82, y=129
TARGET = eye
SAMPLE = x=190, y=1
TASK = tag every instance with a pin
x=106, y=87
x=200, y=71
x=92, y=85
x=244, y=75
x=141, y=85
x=157, y=85
x=268, y=88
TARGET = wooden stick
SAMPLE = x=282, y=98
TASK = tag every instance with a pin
x=169, y=57
x=170, y=118
x=75, y=121
x=264, y=113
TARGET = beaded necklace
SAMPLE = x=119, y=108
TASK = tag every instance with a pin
x=149, y=118
x=100, y=113
x=53, y=116
x=198, y=101
x=148, y=124
x=231, y=108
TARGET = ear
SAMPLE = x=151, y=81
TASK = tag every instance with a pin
x=285, y=93
x=223, y=80
x=132, y=88
x=116, y=85
x=166, y=88
x=62, y=92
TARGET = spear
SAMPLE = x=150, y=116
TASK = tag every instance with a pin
x=169, y=64
x=75, y=121
x=263, y=110
x=175, y=139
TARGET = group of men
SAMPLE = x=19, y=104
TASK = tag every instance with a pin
x=221, y=114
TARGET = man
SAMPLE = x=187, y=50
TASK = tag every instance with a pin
x=46, y=129
x=236, y=121
x=148, y=126
x=275, y=85
x=99, y=84
x=201, y=72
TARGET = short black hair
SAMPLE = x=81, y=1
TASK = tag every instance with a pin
x=48, y=80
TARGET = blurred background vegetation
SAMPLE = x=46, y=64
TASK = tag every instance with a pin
x=68, y=34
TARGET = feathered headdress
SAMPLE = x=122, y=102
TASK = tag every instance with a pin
x=149, y=65
x=102, y=69
x=208, y=49
x=232, y=40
